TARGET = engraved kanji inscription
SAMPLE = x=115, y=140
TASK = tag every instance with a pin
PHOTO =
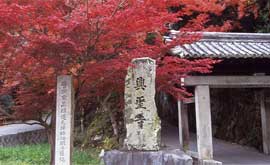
x=140, y=102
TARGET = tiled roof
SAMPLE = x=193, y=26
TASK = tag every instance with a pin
x=227, y=45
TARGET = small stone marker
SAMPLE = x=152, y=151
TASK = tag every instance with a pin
x=64, y=120
x=143, y=125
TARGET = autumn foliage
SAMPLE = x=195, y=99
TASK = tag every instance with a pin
x=95, y=41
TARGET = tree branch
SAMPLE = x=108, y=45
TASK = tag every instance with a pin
x=118, y=7
x=6, y=113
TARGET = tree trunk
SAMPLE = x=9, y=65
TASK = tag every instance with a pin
x=51, y=137
x=114, y=123
x=51, y=140
x=106, y=107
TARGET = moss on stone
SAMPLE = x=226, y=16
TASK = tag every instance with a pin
x=99, y=133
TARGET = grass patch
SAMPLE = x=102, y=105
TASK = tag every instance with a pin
x=40, y=155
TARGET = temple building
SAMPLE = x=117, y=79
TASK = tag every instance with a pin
x=232, y=103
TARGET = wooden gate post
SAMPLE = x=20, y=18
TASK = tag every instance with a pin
x=183, y=125
x=203, y=122
x=265, y=120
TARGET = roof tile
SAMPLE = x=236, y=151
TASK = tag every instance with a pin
x=227, y=45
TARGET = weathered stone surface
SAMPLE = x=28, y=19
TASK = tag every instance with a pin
x=141, y=118
x=22, y=138
x=166, y=157
x=64, y=120
x=210, y=162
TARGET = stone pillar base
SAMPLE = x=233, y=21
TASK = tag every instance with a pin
x=210, y=162
x=163, y=157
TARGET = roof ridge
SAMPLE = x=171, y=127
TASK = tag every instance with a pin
x=236, y=36
x=235, y=40
x=228, y=35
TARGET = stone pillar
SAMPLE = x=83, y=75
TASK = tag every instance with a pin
x=142, y=123
x=64, y=120
x=183, y=126
x=141, y=119
x=203, y=122
x=265, y=120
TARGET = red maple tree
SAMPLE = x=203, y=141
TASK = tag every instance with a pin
x=95, y=42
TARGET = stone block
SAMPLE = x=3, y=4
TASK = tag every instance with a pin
x=163, y=157
x=210, y=162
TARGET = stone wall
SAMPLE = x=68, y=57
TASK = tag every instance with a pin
x=236, y=116
x=31, y=137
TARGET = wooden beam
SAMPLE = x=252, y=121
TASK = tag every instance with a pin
x=183, y=126
x=265, y=120
x=229, y=81
x=203, y=122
